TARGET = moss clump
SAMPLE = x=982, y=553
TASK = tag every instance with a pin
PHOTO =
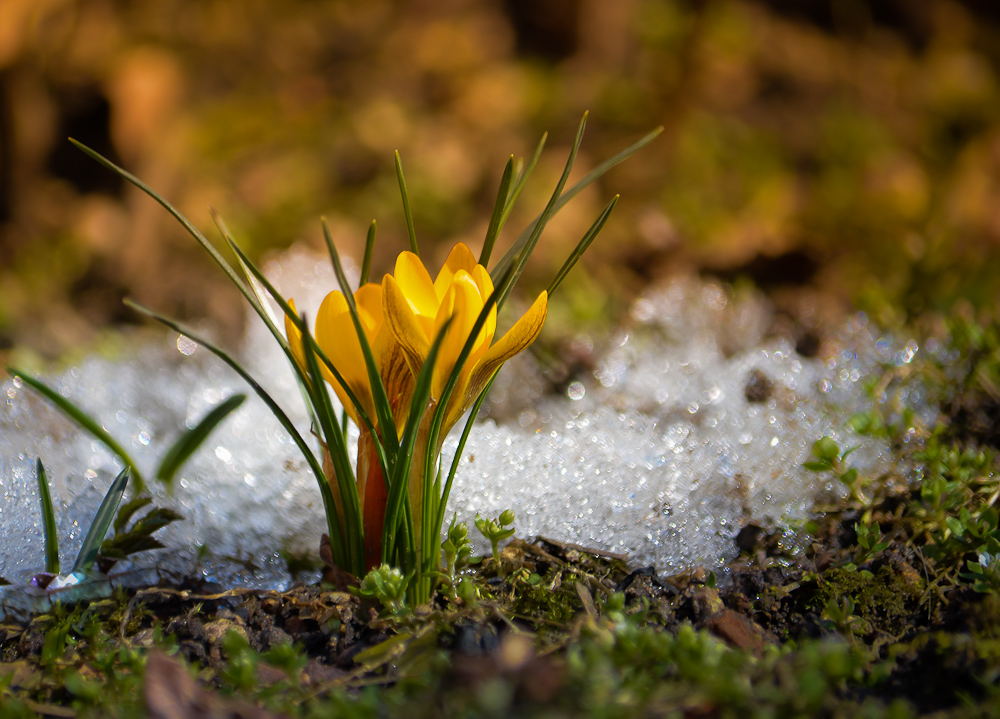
x=886, y=597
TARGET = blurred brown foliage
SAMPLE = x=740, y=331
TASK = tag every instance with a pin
x=839, y=144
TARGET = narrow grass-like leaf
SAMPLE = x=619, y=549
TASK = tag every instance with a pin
x=399, y=483
x=383, y=410
x=524, y=253
x=276, y=410
x=81, y=418
x=406, y=205
x=521, y=179
x=304, y=329
x=585, y=181
x=350, y=553
x=366, y=263
x=48, y=521
x=442, y=494
x=582, y=246
x=192, y=230
x=262, y=307
x=102, y=522
x=260, y=286
x=139, y=537
x=188, y=443
x=498, y=210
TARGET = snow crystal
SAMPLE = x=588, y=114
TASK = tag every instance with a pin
x=658, y=453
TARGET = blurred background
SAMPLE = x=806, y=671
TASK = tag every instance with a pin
x=838, y=154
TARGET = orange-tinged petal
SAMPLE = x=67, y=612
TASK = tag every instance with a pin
x=403, y=323
x=460, y=258
x=397, y=377
x=415, y=284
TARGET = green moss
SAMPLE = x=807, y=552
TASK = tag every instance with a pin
x=887, y=598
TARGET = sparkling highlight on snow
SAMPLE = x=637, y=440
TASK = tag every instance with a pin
x=691, y=425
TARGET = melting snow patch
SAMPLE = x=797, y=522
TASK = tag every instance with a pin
x=663, y=453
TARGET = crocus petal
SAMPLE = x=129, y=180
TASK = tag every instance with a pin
x=337, y=337
x=397, y=377
x=462, y=306
x=368, y=300
x=517, y=339
x=460, y=258
x=485, y=284
x=416, y=284
x=402, y=321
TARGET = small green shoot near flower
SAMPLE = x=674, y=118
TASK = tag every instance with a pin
x=869, y=544
x=838, y=615
x=137, y=538
x=468, y=592
x=829, y=458
x=387, y=585
x=456, y=548
x=102, y=522
x=984, y=574
x=105, y=552
x=497, y=530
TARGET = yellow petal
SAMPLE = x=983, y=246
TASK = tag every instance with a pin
x=368, y=300
x=485, y=284
x=337, y=337
x=415, y=284
x=403, y=323
x=462, y=304
x=460, y=258
x=517, y=339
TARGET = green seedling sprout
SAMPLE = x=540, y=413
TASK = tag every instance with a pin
x=497, y=530
x=387, y=585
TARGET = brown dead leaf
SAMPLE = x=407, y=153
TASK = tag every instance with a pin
x=25, y=676
x=171, y=693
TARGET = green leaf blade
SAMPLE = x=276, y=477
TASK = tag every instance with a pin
x=406, y=205
x=102, y=522
x=48, y=521
x=189, y=442
x=81, y=418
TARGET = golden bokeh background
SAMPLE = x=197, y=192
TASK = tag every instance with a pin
x=838, y=153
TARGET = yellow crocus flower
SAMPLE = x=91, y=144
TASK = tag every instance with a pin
x=416, y=308
x=401, y=318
